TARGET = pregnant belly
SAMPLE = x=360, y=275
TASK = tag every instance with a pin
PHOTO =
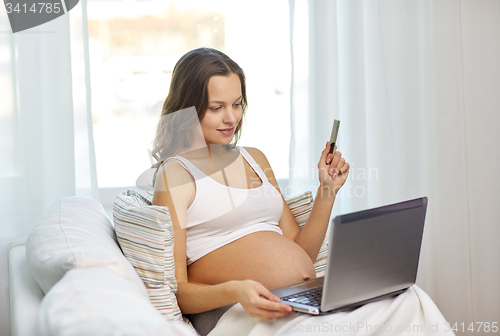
x=266, y=257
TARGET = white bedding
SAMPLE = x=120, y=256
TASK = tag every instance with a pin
x=411, y=313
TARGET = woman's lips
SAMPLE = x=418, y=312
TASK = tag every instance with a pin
x=227, y=131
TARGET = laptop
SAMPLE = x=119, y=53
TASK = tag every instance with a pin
x=372, y=254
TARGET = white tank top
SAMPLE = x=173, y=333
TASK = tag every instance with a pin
x=220, y=215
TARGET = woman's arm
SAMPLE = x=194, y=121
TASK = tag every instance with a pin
x=175, y=188
x=313, y=233
x=332, y=173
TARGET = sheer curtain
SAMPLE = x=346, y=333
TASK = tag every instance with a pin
x=46, y=140
x=416, y=85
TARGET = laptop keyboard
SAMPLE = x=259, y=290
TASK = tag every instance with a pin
x=311, y=297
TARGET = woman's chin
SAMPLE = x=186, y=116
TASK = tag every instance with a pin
x=219, y=141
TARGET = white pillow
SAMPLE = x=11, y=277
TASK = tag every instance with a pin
x=98, y=301
x=75, y=233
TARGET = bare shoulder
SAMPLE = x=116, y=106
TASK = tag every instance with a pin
x=175, y=171
x=173, y=179
x=258, y=156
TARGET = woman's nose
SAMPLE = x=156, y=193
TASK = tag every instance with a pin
x=230, y=116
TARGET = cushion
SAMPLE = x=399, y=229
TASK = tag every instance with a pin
x=98, y=301
x=75, y=233
x=301, y=207
x=145, y=234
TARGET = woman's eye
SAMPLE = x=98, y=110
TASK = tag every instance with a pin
x=217, y=108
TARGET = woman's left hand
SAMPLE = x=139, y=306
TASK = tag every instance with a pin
x=332, y=169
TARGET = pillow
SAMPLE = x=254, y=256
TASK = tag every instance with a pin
x=98, y=301
x=145, y=234
x=75, y=233
x=301, y=207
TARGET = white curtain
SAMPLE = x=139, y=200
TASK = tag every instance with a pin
x=46, y=145
x=416, y=86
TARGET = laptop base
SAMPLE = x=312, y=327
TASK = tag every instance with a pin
x=315, y=310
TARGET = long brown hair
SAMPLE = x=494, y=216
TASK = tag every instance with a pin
x=188, y=88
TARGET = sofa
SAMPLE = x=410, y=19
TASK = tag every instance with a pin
x=80, y=273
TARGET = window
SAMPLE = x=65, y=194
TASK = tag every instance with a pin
x=134, y=46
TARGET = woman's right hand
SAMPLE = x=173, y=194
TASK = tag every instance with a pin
x=332, y=169
x=249, y=294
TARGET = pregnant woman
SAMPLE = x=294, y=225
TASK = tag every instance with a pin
x=235, y=236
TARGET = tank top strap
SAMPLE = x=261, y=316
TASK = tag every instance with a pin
x=186, y=164
x=253, y=164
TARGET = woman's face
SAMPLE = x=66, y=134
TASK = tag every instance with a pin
x=224, y=109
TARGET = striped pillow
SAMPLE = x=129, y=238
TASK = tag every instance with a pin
x=145, y=235
x=301, y=207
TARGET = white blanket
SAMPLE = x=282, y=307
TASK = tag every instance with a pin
x=411, y=313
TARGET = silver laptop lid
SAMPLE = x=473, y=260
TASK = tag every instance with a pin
x=373, y=252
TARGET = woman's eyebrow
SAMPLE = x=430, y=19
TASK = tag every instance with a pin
x=222, y=102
